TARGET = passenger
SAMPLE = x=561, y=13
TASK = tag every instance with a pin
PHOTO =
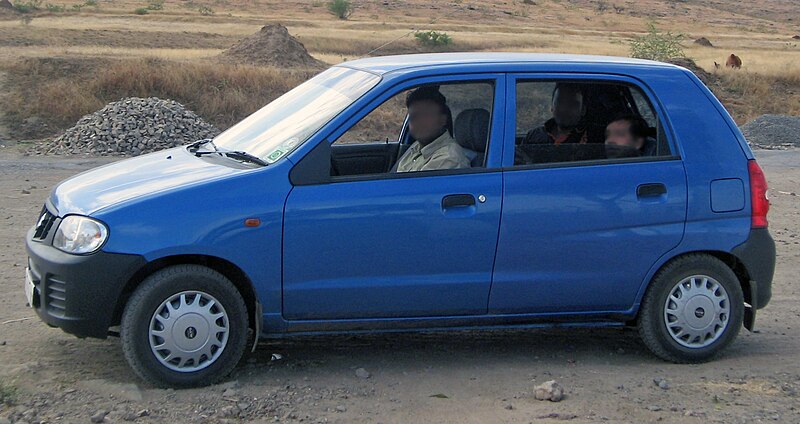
x=568, y=109
x=626, y=136
x=429, y=122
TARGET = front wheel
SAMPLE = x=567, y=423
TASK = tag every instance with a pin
x=185, y=326
x=692, y=310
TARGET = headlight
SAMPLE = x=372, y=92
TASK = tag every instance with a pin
x=79, y=235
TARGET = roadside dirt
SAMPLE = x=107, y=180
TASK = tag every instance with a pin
x=480, y=377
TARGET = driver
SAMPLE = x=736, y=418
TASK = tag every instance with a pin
x=429, y=120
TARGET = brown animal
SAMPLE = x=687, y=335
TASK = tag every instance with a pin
x=733, y=61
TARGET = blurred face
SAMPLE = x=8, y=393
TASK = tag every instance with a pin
x=618, y=133
x=567, y=107
x=426, y=120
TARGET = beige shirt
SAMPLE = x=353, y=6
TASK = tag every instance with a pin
x=442, y=153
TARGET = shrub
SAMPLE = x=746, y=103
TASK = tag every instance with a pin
x=341, y=8
x=8, y=394
x=55, y=8
x=433, y=38
x=155, y=4
x=141, y=11
x=205, y=10
x=28, y=6
x=657, y=45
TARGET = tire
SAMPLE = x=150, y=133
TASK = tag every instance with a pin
x=207, y=319
x=692, y=310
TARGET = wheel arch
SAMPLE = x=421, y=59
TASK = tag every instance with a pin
x=228, y=269
x=729, y=259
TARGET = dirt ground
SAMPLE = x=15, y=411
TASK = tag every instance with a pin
x=481, y=377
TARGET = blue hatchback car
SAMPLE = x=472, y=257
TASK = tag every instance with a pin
x=420, y=192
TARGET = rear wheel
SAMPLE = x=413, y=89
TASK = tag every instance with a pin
x=185, y=326
x=692, y=310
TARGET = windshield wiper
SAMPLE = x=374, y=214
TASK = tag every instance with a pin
x=233, y=154
x=245, y=157
x=196, y=145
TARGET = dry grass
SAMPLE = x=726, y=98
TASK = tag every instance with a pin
x=181, y=40
x=60, y=91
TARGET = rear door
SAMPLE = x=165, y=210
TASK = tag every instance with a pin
x=579, y=233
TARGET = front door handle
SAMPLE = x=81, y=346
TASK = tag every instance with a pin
x=454, y=200
x=651, y=190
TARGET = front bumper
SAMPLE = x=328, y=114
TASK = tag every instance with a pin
x=77, y=293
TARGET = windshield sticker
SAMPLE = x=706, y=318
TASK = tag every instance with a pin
x=275, y=155
x=291, y=143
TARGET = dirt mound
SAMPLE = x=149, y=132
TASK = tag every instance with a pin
x=775, y=132
x=271, y=46
x=703, y=41
x=131, y=127
x=692, y=66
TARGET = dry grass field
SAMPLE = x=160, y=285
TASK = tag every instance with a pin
x=57, y=65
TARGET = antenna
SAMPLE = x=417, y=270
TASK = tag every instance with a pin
x=394, y=40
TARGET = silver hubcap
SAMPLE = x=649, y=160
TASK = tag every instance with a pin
x=697, y=311
x=189, y=331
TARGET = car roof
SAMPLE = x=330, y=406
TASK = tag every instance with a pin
x=387, y=64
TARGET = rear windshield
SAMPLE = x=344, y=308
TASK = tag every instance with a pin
x=279, y=127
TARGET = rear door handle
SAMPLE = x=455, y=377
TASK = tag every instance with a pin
x=651, y=190
x=454, y=200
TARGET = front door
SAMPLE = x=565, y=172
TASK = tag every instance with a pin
x=393, y=245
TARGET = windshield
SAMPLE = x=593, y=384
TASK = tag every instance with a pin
x=279, y=127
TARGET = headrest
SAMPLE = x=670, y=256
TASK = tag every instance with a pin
x=471, y=129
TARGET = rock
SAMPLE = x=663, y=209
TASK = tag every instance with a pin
x=99, y=416
x=703, y=41
x=341, y=408
x=362, y=373
x=773, y=131
x=229, y=393
x=661, y=383
x=549, y=390
x=125, y=128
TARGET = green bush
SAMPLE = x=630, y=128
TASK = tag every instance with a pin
x=141, y=11
x=90, y=3
x=341, y=8
x=155, y=4
x=205, y=10
x=433, y=38
x=55, y=8
x=657, y=45
x=28, y=6
x=8, y=394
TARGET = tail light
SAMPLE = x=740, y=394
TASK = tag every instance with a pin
x=758, y=195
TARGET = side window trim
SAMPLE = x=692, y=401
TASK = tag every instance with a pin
x=513, y=79
x=304, y=172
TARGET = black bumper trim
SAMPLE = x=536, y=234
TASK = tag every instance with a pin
x=78, y=293
x=757, y=254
